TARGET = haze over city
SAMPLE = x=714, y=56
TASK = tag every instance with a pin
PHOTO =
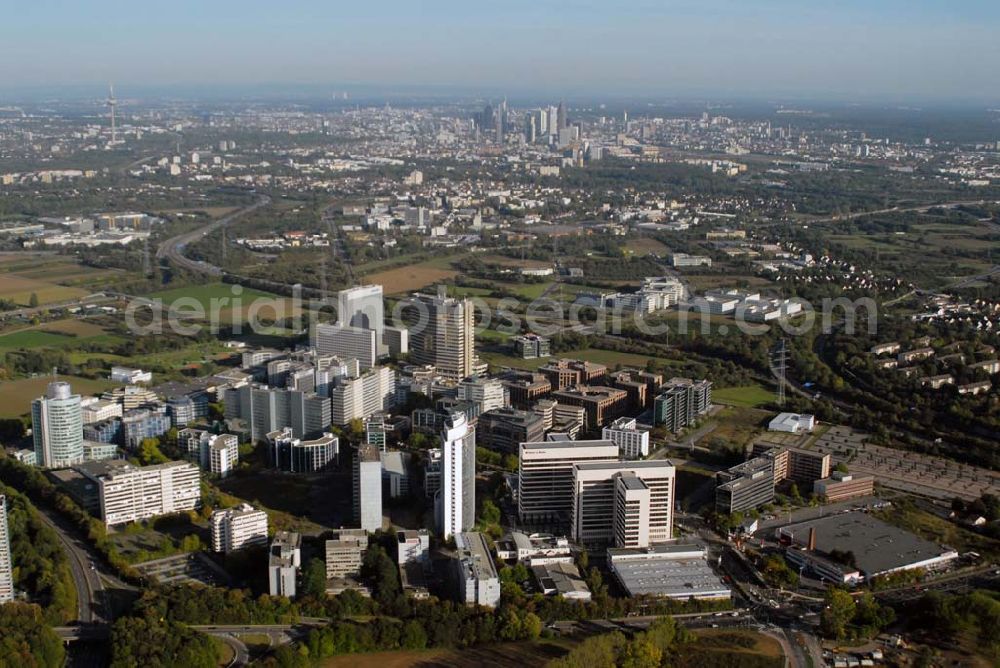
x=893, y=50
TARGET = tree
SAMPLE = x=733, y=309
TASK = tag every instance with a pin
x=383, y=574
x=418, y=440
x=33, y=300
x=490, y=514
x=26, y=639
x=839, y=611
x=531, y=626
x=413, y=636
x=314, y=578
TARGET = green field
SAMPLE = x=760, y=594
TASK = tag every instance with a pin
x=204, y=294
x=749, y=396
x=529, y=291
x=34, y=338
x=57, y=334
x=16, y=395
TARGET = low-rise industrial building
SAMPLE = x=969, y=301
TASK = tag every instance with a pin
x=675, y=570
x=862, y=542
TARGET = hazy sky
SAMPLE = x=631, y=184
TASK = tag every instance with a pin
x=847, y=49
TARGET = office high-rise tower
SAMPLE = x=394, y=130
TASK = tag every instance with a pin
x=367, y=482
x=57, y=427
x=455, y=504
x=442, y=333
x=562, y=121
x=6, y=567
x=501, y=122
x=362, y=307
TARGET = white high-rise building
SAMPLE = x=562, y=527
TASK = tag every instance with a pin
x=6, y=566
x=236, y=528
x=367, y=483
x=545, y=476
x=455, y=504
x=633, y=443
x=363, y=307
x=361, y=397
x=647, y=492
x=442, y=334
x=130, y=494
x=57, y=427
x=348, y=342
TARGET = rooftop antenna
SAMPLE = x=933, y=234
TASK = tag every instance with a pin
x=113, y=104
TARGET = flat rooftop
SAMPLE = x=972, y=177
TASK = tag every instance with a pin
x=878, y=547
x=671, y=577
x=625, y=465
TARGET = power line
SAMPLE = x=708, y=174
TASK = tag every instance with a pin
x=779, y=361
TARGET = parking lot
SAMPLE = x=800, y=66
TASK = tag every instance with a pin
x=909, y=472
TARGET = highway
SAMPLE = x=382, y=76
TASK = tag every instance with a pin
x=173, y=248
x=89, y=587
x=921, y=208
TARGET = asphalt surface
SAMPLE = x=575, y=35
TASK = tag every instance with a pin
x=89, y=587
x=173, y=248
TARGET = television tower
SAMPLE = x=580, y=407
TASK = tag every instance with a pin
x=113, y=104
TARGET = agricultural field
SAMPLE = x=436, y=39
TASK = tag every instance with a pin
x=57, y=334
x=646, y=246
x=505, y=261
x=51, y=278
x=16, y=395
x=402, y=280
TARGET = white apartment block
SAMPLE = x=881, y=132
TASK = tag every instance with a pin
x=216, y=453
x=633, y=443
x=236, y=528
x=130, y=494
x=358, y=398
x=595, y=508
x=545, y=476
